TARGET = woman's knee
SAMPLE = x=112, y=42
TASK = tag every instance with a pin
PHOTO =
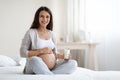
x=72, y=63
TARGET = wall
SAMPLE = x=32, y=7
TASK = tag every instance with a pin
x=16, y=17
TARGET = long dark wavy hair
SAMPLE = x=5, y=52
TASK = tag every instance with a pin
x=36, y=24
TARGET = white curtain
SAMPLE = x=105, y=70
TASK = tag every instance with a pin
x=76, y=23
x=76, y=27
x=76, y=18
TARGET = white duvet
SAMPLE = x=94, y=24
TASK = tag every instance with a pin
x=15, y=73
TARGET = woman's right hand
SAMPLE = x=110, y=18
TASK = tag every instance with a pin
x=45, y=50
x=39, y=52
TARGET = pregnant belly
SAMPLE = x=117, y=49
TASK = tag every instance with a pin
x=49, y=60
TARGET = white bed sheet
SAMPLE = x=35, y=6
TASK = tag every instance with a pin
x=15, y=73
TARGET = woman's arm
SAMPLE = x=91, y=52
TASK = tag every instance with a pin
x=56, y=53
x=39, y=52
x=25, y=45
x=60, y=56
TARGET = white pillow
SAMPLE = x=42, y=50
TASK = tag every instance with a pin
x=6, y=61
x=22, y=62
x=19, y=60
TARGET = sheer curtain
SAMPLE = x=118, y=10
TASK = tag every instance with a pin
x=76, y=18
x=76, y=23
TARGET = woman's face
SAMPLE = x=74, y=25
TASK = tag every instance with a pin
x=44, y=18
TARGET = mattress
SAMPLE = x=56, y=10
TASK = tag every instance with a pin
x=15, y=73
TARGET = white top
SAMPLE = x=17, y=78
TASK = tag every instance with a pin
x=42, y=43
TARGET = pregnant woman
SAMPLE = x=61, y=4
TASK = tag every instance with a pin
x=39, y=47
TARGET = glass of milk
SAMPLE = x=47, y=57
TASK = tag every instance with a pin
x=66, y=53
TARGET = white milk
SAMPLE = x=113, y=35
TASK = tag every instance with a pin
x=66, y=53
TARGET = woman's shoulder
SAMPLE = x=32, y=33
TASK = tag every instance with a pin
x=52, y=32
x=31, y=32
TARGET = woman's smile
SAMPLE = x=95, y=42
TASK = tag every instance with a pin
x=44, y=18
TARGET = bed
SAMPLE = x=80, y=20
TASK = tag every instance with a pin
x=12, y=69
x=15, y=73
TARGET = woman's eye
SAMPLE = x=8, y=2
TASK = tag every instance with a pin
x=44, y=16
x=41, y=16
x=47, y=16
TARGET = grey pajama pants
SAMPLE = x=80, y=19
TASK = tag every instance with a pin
x=37, y=66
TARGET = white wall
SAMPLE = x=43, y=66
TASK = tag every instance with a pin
x=103, y=21
x=16, y=17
